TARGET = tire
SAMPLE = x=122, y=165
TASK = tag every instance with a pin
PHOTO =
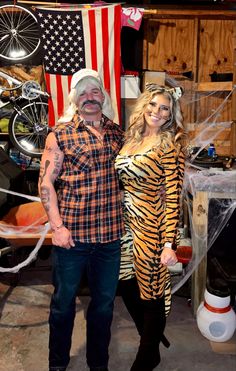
x=28, y=128
x=19, y=33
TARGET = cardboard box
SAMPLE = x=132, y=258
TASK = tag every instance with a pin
x=127, y=106
x=153, y=76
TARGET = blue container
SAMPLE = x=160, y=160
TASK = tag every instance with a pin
x=211, y=150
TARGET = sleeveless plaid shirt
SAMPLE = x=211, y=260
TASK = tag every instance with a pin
x=87, y=187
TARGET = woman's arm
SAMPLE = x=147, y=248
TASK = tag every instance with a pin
x=174, y=170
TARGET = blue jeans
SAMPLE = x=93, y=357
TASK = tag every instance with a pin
x=102, y=263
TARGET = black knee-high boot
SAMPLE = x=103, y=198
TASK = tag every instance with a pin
x=148, y=356
x=129, y=292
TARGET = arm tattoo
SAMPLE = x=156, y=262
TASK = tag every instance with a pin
x=48, y=148
x=57, y=164
x=45, y=197
x=44, y=170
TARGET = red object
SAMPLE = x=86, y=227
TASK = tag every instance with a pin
x=217, y=310
x=129, y=72
x=184, y=254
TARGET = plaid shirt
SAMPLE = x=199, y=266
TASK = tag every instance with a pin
x=88, y=189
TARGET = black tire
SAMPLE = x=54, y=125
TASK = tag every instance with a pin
x=28, y=128
x=19, y=33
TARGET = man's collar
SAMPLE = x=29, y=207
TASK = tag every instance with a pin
x=80, y=122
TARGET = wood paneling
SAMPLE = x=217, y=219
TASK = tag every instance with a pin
x=215, y=48
x=170, y=45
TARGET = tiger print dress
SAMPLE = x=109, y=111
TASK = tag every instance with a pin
x=152, y=187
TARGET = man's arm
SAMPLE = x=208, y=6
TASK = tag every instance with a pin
x=50, y=167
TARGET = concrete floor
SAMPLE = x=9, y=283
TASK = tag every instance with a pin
x=24, y=312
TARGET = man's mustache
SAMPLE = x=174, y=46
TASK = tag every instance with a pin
x=92, y=101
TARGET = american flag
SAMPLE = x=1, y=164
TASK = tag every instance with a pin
x=77, y=38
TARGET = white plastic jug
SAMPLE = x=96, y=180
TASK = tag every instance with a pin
x=216, y=319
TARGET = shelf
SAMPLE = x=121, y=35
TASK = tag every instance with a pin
x=214, y=86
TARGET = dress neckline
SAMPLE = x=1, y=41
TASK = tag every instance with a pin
x=137, y=154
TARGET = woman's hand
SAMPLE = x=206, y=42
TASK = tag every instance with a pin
x=168, y=256
x=62, y=237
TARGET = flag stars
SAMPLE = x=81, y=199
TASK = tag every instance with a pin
x=63, y=43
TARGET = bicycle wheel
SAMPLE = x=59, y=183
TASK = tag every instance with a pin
x=28, y=128
x=19, y=33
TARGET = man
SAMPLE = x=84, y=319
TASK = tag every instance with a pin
x=79, y=190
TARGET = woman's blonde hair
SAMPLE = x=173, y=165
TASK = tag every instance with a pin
x=171, y=131
x=107, y=109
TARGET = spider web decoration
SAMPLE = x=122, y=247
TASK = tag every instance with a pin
x=207, y=120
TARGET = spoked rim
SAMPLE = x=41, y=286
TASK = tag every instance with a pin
x=19, y=33
x=29, y=128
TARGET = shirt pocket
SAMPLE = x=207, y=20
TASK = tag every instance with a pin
x=79, y=156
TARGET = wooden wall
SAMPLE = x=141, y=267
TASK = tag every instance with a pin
x=196, y=43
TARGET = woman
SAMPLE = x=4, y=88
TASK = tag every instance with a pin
x=151, y=167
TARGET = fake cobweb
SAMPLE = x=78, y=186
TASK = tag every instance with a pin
x=207, y=125
x=215, y=177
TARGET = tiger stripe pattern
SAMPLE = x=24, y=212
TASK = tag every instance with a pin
x=152, y=189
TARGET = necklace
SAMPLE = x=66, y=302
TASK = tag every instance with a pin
x=94, y=124
x=96, y=128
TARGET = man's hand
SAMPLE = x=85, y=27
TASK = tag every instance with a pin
x=62, y=237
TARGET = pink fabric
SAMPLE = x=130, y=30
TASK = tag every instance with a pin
x=132, y=17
